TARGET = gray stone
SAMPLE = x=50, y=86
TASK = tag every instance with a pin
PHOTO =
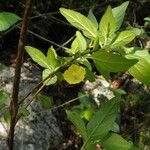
x=38, y=131
x=99, y=90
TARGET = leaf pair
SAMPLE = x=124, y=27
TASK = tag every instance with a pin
x=49, y=62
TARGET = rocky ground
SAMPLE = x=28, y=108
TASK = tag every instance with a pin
x=38, y=131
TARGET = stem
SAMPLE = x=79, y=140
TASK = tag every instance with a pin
x=14, y=100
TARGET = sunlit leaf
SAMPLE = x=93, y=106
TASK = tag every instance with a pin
x=52, y=59
x=80, y=21
x=141, y=70
x=124, y=38
x=45, y=74
x=78, y=45
x=37, y=56
x=74, y=74
x=107, y=25
x=119, y=13
x=7, y=19
x=87, y=114
x=93, y=18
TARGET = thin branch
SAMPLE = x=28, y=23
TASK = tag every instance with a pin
x=49, y=41
x=14, y=100
x=60, y=106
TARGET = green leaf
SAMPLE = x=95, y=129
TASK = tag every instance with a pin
x=136, y=31
x=80, y=21
x=93, y=18
x=119, y=13
x=7, y=20
x=52, y=59
x=135, y=50
x=78, y=122
x=84, y=62
x=107, y=62
x=37, y=56
x=45, y=74
x=124, y=38
x=74, y=74
x=4, y=97
x=91, y=146
x=6, y=116
x=82, y=45
x=102, y=121
x=90, y=75
x=45, y=101
x=107, y=25
x=87, y=114
x=84, y=100
x=23, y=112
x=2, y=67
x=141, y=70
x=115, y=128
x=78, y=45
x=116, y=142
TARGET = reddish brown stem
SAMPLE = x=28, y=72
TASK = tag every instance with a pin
x=14, y=100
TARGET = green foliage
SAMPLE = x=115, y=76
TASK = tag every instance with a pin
x=119, y=13
x=107, y=26
x=103, y=46
x=107, y=62
x=4, y=97
x=141, y=70
x=147, y=21
x=38, y=57
x=49, y=62
x=7, y=19
x=81, y=22
x=85, y=109
x=74, y=74
x=93, y=18
x=45, y=74
x=23, y=112
x=116, y=142
x=97, y=130
x=125, y=37
x=78, y=45
x=78, y=122
x=1, y=67
x=45, y=101
x=103, y=120
x=52, y=58
x=6, y=116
